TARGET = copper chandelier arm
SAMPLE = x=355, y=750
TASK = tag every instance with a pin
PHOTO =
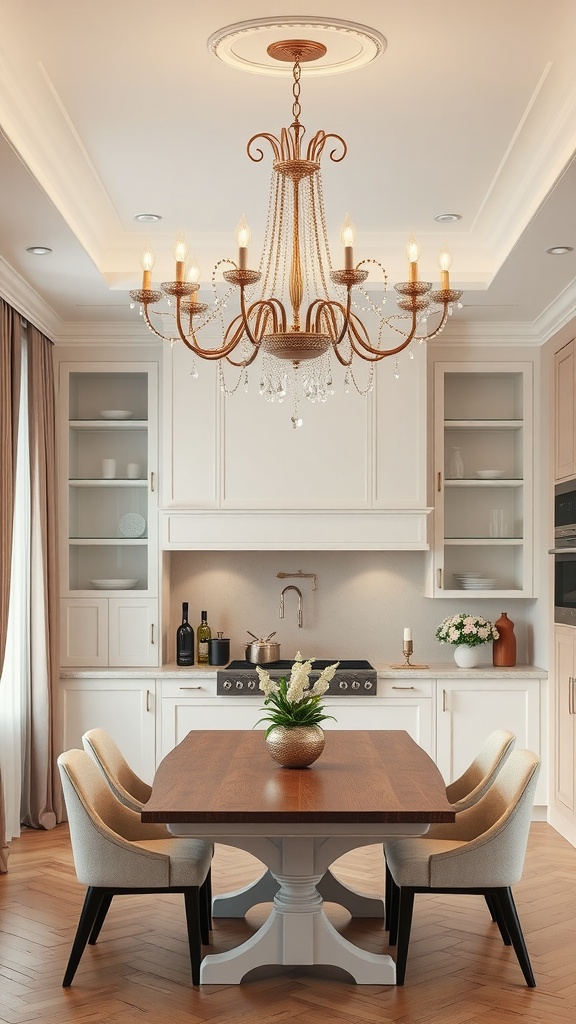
x=258, y=155
x=318, y=142
x=192, y=344
x=152, y=328
x=376, y=354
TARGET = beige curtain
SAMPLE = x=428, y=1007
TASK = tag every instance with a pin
x=41, y=794
x=10, y=333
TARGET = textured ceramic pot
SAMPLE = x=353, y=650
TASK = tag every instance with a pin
x=465, y=656
x=295, y=746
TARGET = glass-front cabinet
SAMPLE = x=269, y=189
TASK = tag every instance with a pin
x=109, y=512
x=482, y=480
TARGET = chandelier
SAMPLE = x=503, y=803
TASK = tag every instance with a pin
x=296, y=310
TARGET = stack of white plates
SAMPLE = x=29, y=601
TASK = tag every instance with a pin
x=474, y=581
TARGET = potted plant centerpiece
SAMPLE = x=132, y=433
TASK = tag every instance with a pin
x=467, y=633
x=293, y=708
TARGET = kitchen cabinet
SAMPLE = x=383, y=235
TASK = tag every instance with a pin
x=468, y=710
x=482, y=480
x=563, y=809
x=353, y=477
x=193, y=704
x=124, y=707
x=565, y=413
x=108, y=513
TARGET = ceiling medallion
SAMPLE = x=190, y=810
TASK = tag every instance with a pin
x=247, y=44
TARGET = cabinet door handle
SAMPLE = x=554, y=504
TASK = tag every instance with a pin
x=444, y=702
x=198, y=687
x=439, y=578
x=152, y=481
x=152, y=641
x=403, y=687
x=147, y=700
x=439, y=483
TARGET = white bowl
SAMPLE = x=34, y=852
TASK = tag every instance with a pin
x=113, y=584
x=116, y=414
x=491, y=474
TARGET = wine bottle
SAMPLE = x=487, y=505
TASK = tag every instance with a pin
x=185, y=639
x=204, y=634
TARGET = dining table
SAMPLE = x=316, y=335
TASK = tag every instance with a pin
x=366, y=787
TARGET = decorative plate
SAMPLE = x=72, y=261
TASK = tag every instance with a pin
x=490, y=474
x=132, y=525
x=114, y=584
x=116, y=414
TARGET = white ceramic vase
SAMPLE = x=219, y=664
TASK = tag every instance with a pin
x=466, y=657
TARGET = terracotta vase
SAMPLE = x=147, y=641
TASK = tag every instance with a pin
x=504, y=648
x=465, y=656
x=295, y=746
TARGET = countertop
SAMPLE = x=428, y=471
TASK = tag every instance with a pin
x=435, y=670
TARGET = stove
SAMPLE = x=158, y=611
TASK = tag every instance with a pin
x=352, y=678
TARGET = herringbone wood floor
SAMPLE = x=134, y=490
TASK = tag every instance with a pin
x=459, y=972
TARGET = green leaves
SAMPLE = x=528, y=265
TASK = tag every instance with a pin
x=280, y=711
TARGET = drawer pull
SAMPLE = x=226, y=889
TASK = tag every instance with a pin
x=191, y=687
x=403, y=687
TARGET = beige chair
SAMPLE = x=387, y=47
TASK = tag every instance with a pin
x=481, y=853
x=115, y=853
x=467, y=790
x=133, y=792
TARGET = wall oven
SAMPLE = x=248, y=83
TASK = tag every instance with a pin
x=564, y=552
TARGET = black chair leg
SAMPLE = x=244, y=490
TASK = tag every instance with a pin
x=192, y=904
x=496, y=916
x=404, y=926
x=509, y=913
x=88, y=916
x=100, y=918
x=204, y=915
x=387, y=898
x=394, y=905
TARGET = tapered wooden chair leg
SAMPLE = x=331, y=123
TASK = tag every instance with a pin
x=100, y=918
x=405, y=909
x=511, y=920
x=192, y=904
x=89, y=913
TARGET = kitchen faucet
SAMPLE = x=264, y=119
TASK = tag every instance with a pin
x=281, y=614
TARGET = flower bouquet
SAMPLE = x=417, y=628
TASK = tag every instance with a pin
x=293, y=701
x=471, y=630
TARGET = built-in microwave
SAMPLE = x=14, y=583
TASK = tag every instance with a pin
x=564, y=552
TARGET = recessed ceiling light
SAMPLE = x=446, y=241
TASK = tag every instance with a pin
x=147, y=218
x=38, y=250
x=559, y=250
x=446, y=218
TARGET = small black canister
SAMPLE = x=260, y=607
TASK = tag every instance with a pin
x=218, y=651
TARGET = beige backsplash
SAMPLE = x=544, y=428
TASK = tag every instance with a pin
x=361, y=605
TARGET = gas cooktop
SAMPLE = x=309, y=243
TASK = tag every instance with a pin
x=352, y=678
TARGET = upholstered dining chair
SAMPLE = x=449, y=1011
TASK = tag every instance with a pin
x=133, y=792
x=466, y=790
x=481, y=853
x=115, y=854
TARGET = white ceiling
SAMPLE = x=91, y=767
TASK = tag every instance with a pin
x=115, y=108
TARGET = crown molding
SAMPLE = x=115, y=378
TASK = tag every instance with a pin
x=27, y=302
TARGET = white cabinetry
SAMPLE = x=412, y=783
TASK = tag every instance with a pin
x=565, y=413
x=483, y=509
x=352, y=477
x=564, y=795
x=468, y=710
x=123, y=707
x=109, y=550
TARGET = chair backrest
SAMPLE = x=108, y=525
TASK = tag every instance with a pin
x=103, y=831
x=128, y=787
x=494, y=831
x=479, y=776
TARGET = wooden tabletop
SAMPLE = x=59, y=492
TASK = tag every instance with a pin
x=361, y=777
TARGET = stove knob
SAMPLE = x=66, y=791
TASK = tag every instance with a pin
x=355, y=685
x=342, y=685
x=227, y=685
x=239, y=684
x=368, y=685
x=251, y=684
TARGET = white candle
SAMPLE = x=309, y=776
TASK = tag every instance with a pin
x=407, y=633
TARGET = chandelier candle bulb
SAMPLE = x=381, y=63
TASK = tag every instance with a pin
x=348, y=237
x=243, y=235
x=180, y=255
x=445, y=262
x=413, y=254
x=407, y=633
x=147, y=261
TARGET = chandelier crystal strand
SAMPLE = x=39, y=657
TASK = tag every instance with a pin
x=298, y=313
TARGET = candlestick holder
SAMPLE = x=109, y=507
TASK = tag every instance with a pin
x=408, y=649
